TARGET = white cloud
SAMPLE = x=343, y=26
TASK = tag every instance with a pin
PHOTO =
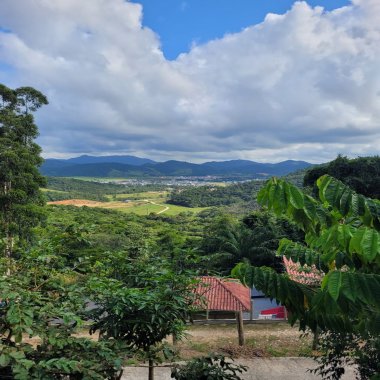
x=305, y=84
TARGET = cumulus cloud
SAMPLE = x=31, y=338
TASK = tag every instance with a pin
x=303, y=85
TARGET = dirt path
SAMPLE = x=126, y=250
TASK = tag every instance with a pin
x=157, y=204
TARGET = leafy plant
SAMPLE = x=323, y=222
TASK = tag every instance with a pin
x=212, y=367
x=145, y=304
x=41, y=311
x=342, y=242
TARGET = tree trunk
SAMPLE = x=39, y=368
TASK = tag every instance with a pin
x=8, y=249
x=151, y=370
x=315, y=339
x=240, y=327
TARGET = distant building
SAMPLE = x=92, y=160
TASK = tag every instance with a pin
x=221, y=298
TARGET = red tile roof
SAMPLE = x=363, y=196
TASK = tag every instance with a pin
x=303, y=274
x=223, y=294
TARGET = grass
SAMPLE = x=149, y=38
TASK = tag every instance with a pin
x=152, y=195
x=44, y=190
x=267, y=340
x=141, y=209
x=138, y=206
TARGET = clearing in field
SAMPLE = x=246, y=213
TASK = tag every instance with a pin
x=137, y=206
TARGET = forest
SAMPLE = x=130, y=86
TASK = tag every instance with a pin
x=127, y=279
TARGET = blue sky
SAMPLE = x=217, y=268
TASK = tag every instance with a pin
x=180, y=23
x=199, y=80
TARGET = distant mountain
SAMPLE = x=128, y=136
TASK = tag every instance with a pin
x=130, y=166
x=128, y=160
x=245, y=167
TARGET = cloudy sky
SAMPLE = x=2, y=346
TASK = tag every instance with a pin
x=196, y=80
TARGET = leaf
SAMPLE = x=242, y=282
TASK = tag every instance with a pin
x=295, y=196
x=370, y=244
x=366, y=243
x=334, y=284
x=4, y=360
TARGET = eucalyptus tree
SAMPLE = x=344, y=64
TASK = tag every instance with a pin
x=21, y=202
x=342, y=242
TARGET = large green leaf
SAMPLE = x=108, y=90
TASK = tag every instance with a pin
x=295, y=196
x=334, y=284
x=366, y=243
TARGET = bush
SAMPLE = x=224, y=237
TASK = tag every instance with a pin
x=212, y=367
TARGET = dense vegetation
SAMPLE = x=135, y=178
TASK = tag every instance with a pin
x=342, y=244
x=243, y=193
x=362, y=174
x=254, y=239
x=60, y=188
x=68, y=272
x=204, y=196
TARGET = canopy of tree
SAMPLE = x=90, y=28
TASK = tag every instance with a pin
x=362, y=174
x=21, y=202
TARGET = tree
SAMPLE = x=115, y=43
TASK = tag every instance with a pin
x=42, y=307
x=362, y=174
x=144, y=305
x=342, y=241
x=255, y=239
x=21, y=202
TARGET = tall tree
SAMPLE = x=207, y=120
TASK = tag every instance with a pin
x=20, y=198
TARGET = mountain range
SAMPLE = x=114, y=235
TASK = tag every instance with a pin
x=131, y=166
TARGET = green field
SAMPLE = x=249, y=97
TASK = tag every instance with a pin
x=141, y=200
x=140, y=203
x=151, y=195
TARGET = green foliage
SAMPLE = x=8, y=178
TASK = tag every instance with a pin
x=342, y=349
x=342, y=242
x=20, y=198
x=212, y=367
x=240, y=195
x=362, y=174
x=204, y=196
x=228, y=240
x=148, y=302
x=60, y=188
x=45, y=303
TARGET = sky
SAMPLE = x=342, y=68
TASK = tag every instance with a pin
x=199, y=80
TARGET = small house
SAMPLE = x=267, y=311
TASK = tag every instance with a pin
x=221, y=298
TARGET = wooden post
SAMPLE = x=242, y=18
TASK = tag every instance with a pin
x=240, y=327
